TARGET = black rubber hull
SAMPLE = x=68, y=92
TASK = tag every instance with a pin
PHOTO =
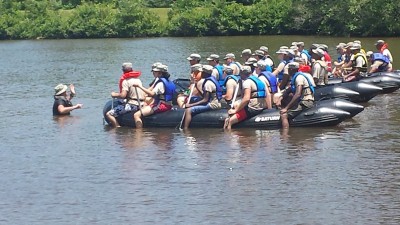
x=321, y=93
x=324, y=114
x=389, y=82
x=366, y=90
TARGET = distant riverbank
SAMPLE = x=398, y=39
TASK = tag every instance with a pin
x=126, y=19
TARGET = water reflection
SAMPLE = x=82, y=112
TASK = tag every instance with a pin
x=64, y=121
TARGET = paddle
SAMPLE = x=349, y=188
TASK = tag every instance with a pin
x=235, y=94
x=226, y=123
x=184, y=112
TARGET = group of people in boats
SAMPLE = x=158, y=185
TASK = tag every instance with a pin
x=246, y=88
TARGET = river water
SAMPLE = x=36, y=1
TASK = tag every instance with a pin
x=75, y=170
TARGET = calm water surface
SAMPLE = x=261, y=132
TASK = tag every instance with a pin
x=75, y=170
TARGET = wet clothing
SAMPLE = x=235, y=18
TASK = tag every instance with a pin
x=60, y=100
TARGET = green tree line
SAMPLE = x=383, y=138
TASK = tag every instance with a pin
x=28, y=19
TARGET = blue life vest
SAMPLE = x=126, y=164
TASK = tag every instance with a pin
x=169, y=89
x=260, y=87
x=218, y=88
x=293, y=82
x=235, y=77
x=280, y=74
x=347, y=58
x=221, y=79
x=339, y=58
x=307, y=54
x=384, y=59
x=273, y=82
x=268, y=68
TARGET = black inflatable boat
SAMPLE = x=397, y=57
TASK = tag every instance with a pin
x=389, y=82
x=352, y=91
x=325, y=113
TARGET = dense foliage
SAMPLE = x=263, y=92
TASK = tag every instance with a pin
x=26, y=19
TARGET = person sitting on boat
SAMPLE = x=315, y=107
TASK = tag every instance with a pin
x=230, y=61
x=211, y=96
x=326, y=57
x=218, y=71
x=359, y=64
x=149, y=100
x=270, y=81
x=62, y=100
x=231, y=84
x=195, y=85
x=259, y=55
x=379, y=62
x=347, y=66
x=337, y=70
x=319, y=67
x=133, y=97
x=253, y=99
x=162, y=93
x=382, y=47
x=281, y=71
x=193, y=59
x=303, y=52
x=361, y=50
x=246, y=54
x=295, y=49
x=302, y=86
x=267, y=58
x=252, y=62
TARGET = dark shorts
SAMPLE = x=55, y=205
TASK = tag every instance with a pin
x=247, y=112
x=303, y=105
x=122, y=109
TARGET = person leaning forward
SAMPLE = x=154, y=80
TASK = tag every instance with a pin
x=162, y=92
x=62, y=100
x=359, y=64
x=134, y=97
x=212, y=94
x=303, y=98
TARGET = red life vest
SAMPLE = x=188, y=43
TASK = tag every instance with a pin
x=130, y=74
x=328, y=61
x=384, y=46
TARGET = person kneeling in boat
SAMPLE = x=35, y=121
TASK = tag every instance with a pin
x=253, y=99
x=212, y=94
x=162, y=93
x=62, y=100
x=380, y=62
x=133, y=97
x=302, y=85
x=359, y=64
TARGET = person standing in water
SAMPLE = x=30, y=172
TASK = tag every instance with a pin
x=62, y=100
